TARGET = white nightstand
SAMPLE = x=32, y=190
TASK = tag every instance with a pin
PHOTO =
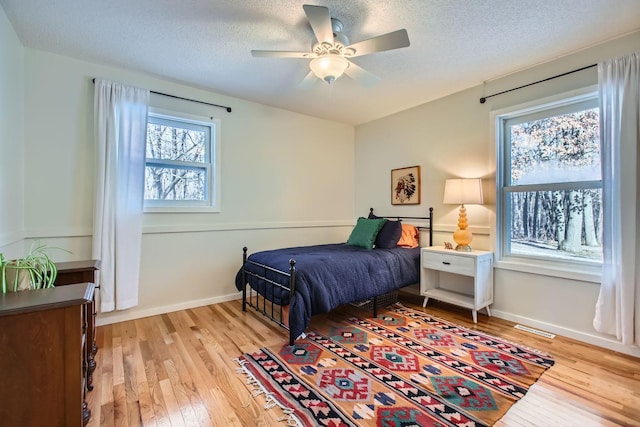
x=449, y=276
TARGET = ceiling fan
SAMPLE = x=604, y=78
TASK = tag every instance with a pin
x=330, y=54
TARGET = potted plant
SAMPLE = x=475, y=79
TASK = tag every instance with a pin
x=35, y=270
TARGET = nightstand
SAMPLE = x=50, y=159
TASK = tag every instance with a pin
x=461, y=278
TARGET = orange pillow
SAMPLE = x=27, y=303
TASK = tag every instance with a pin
x=410, y=237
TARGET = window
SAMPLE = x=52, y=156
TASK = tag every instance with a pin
x=181, y=169
x=550, y=183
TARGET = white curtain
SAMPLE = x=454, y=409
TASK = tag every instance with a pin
x=618, y=306
x=120, y=115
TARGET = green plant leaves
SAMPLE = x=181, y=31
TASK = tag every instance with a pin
x=42, y=271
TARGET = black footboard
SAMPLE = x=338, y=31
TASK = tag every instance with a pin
x=260, y=303
x=257, y=300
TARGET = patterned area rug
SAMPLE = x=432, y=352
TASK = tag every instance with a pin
x=403, y=368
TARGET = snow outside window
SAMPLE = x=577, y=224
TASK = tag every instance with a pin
x=549, y=180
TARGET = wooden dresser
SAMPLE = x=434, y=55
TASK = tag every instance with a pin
x=43, y=356
x=79, y=272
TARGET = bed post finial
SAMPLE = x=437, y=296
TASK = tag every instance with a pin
x=292, y=279
x=292, y=290
x=244, y=279
x=370, y=211
x=431, y=226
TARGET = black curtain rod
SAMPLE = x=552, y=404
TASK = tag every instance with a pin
x=186, y=99
x=484, y=98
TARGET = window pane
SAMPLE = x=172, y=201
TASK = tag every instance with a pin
x=562, y=148
x=176, y=143
x=556, y=224
x=162, y=183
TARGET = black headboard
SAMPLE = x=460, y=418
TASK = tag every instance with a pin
x=428, y=219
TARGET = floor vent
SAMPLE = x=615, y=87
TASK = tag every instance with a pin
x=535, y=331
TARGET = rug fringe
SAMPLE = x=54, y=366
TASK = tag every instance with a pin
x=256, y=389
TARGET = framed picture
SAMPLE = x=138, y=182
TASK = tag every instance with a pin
x=405, y=186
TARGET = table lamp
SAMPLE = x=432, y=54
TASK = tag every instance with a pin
x=460, y=192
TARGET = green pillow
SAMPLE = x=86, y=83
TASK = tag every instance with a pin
x=364, y=233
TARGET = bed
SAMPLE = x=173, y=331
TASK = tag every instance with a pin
x=290, y=285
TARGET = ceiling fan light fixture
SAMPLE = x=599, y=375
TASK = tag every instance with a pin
x=329, y=67
x=331, y=50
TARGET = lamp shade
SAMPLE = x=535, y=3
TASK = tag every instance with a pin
x=463, y=191
x=329, y=67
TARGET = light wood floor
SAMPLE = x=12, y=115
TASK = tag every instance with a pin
x=177, y=369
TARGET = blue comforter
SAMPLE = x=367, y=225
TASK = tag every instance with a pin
x=331, y=275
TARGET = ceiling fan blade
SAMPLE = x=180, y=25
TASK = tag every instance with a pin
x=320, y=21
x=281, y=54
x=308, y=82
x=389, y=41
x=365, y=78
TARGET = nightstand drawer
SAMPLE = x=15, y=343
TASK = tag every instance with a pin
x=452, y=263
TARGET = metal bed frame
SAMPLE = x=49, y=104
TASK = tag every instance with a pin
x=258, y=302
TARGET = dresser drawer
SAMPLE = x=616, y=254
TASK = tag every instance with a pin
x=452, y=263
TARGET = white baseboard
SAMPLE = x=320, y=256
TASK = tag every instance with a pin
x=593, y=339
x=131, y=314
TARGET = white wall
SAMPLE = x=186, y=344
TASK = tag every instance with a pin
x=287, y=179
x=11, y=139
x=441, y=137
x=451, y=137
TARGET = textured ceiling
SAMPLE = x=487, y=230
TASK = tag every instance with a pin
x=455, y=44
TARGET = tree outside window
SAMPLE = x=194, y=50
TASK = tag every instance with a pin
x=180, y=162
x=551, y=183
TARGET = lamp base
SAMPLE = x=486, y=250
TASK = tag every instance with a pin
x=463, y=238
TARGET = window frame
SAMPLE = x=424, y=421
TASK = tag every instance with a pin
x=211, y=165
x=585, y=270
